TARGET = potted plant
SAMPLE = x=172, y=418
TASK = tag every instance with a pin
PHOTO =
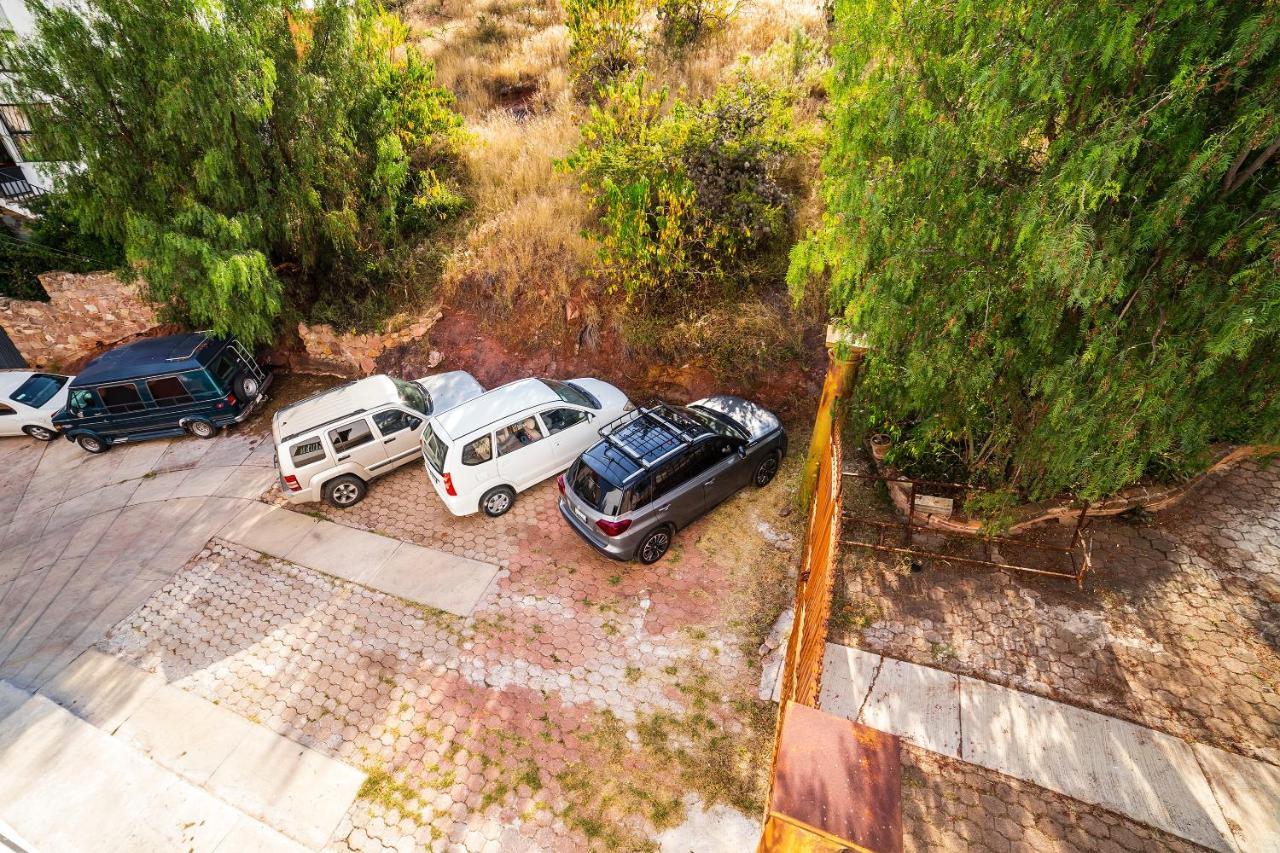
x=880, y=444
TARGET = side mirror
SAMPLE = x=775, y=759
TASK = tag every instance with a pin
x=742, y=451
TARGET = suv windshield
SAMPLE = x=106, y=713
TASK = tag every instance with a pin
x=38, y=390
x=571, y=393
x=413, y=395
x=596, y=491
x=434, y=449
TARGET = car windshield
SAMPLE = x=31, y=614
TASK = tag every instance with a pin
x=596, y=491
x=571, y=393
x=39, y=389
x=413, y=395
x=717, y=422
x=434, y=449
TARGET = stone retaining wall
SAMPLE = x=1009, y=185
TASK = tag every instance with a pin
x=85, y=313
x=355, y=354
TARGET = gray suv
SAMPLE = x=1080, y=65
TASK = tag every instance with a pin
x=659, y=467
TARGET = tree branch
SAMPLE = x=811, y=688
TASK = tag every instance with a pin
x=1257, y=164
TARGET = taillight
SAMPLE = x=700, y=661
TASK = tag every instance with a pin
x=292, y=482
x=560, y=483
x=613, y=528
x=231, y=399
x=448, y=486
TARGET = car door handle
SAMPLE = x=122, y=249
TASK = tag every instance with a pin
x=344, y=457
x=664, y=507
x=710, y=482
x=388, y=440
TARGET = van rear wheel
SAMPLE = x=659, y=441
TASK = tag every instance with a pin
x=92, y=444
x=497, y=501
x=342, y=492
x=201, y=429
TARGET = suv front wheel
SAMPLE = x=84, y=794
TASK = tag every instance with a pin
x=342, y=492
x=497, y=501
x=766, y=470
x=654, y=545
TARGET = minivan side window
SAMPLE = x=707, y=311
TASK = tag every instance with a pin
x=121, y=398
x=516, y=435
x=350, y=436
x=561, y=419
x=393, y=420
x=478, y=451
x=168, y=391
x=305, y=452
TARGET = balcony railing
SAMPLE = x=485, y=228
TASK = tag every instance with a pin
x=15, y=187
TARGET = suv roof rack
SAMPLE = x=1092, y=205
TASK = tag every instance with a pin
x=653, y=411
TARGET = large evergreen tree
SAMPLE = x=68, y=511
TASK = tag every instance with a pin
x=252, y=155
x=1059, y=225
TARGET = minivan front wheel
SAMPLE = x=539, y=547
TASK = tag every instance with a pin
x=40, y=433
x=497, y=501
x=652, y=548
x=342, y=492
x=92, y=444
x=202, y=429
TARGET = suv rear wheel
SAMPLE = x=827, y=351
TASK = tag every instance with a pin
x=654, y=545
x=766, y=470
x=342, y=492
x=497, y=501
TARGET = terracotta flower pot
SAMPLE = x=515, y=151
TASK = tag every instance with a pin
x=880, y=444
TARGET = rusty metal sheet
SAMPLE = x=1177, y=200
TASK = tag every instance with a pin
x=840, y=778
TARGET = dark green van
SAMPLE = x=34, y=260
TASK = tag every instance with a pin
x=157, y=387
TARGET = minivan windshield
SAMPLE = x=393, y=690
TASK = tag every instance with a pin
x=571, y=393
x=38, y=390
x=413, y=395
x=434, y=449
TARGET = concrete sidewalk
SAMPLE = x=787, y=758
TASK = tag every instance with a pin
x=146, y=765
x=1220, y=800
x=424, y=575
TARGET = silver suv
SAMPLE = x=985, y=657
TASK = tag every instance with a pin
x=658, y=468
x=330, y=445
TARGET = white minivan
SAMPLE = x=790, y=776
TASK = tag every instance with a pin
x=481, y=453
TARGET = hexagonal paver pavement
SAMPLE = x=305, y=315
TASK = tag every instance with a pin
x=1178, y=629
x=573, y=709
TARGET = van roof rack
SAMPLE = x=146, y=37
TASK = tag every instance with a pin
x=658, y=413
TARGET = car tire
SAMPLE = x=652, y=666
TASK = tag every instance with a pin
x=246, y=388
x=92, y=444
x=497, y=501
x=345, y=491
x=654, y=545
x=766, y=470
x=201, y=428
x=40, y=433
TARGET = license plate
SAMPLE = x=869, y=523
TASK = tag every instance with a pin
x=582, y=516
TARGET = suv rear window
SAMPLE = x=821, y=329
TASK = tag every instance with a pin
x=306, y=452
x=596, y=491
x=38, y=390
x=434, y=449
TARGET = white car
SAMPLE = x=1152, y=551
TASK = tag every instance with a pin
x=481, y=453
x=28, y=402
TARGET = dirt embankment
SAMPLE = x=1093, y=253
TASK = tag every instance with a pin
x=498, y=356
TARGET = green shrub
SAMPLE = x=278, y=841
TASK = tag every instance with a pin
x=54, y=242
x=684, y=23
x=605, y=41
x=691, y=196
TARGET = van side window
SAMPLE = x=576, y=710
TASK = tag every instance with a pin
x=168, y=391
x=560, y=419
x=350, y=436
x=393, y=420
x=198, y=384
x=478, y=451
x=516, y=435
x=85, y=402
x=306, y=452
x=121, y=398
